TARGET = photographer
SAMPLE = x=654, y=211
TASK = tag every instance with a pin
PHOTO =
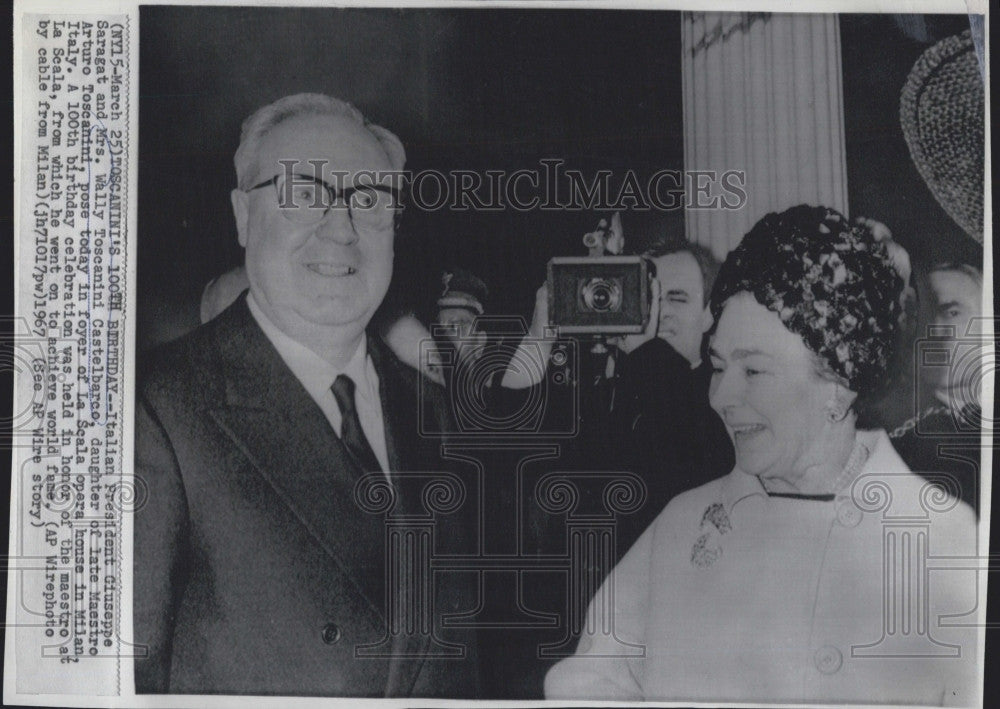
x=661, y=424
x=644, y=404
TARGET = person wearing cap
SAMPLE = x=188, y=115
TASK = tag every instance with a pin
x=780, y=582
x=458, y=359
x=459, y=306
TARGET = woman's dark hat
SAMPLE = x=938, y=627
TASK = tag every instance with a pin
x=828, y=280
x=942, y=112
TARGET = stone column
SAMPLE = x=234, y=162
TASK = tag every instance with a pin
x=763, y=95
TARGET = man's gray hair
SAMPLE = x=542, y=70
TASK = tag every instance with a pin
x=264, y=119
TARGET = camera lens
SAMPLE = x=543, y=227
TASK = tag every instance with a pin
x=602, y=296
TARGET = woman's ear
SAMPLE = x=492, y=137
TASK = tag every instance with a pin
x=840, y=403
x=241, y=210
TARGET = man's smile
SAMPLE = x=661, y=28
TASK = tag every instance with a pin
x=331, y=270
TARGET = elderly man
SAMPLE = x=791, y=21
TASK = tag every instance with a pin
x=256, y=570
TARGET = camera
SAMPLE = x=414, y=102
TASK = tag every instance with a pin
x=606, y=295
x=480, y=406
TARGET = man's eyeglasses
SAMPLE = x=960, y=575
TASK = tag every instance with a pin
x=306, y=200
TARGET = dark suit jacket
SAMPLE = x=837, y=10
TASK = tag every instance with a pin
x=664, y=429
x=944, y=442
x=653, y=418
x=255, y=569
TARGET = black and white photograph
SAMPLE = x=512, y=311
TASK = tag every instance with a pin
x=562, y=354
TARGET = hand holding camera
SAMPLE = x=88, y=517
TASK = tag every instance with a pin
x=630, y=343
x=537, y=343
x=597, y=295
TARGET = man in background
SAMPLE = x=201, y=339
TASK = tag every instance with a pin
x=654, y=419
x=661, y=424
x=459, y=306
x=944, y=436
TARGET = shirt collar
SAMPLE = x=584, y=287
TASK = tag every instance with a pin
x=315, y=373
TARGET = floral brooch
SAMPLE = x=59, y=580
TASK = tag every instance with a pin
x=707, y=548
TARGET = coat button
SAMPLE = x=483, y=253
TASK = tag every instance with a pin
x=848, y=514
x=828, y=659
x=331, y=633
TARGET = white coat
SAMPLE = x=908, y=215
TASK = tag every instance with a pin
x=735, y=595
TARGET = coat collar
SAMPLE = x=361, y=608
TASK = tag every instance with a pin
x=271, y=417
x=257, y=378
x=882, y=457
x=315, y=373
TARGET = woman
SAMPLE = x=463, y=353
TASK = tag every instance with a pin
x=767, y=585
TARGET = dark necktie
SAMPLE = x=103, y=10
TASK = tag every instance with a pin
x=351, y=433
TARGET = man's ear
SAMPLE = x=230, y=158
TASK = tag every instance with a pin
x=706, y=320
x=241, y=210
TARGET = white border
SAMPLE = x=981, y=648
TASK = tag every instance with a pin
x=22, y=7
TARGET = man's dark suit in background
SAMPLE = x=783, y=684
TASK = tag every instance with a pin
x=664, y=429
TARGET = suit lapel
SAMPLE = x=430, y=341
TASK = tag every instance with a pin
x=399, y=410
x=406, y=454
x=283, y=432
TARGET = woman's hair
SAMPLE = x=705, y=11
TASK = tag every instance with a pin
x=829, y=281
x=266, y=118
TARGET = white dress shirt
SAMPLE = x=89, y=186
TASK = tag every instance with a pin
x=317, y=376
